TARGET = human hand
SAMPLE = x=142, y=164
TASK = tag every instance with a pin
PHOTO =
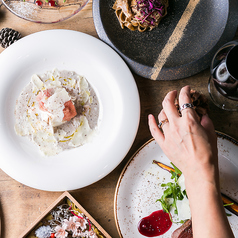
x=189, y=143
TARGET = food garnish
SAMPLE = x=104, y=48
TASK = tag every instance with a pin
x=147, y=8
x=231, y=205
x=156, y=224
x=173, y=192
x=164, y=166
x=140, y=14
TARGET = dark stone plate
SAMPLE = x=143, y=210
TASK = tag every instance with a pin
x=191, y=43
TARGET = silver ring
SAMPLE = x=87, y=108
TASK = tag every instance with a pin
x=162, y=123
x=185, y=106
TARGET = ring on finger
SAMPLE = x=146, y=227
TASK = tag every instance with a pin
x=162, y=123
x=185, y=106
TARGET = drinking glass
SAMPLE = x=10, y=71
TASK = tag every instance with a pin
x=223, y=81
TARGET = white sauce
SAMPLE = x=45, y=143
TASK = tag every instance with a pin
x=41, y=111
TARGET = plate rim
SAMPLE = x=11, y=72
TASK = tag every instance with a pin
x=218, y=133
x=119, y=182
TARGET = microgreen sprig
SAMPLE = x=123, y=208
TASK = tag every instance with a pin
x=173, y=190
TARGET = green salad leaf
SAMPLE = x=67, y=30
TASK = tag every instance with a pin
x=173, y=190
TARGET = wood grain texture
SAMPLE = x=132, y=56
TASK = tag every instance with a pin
x=21, y=205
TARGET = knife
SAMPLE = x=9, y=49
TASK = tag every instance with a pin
x=232, y=206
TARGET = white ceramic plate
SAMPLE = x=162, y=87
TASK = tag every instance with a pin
x=119, y=109
x=139, y=185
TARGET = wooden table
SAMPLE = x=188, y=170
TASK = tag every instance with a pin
x=21, y=205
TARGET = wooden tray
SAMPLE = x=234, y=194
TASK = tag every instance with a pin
x=58, y=202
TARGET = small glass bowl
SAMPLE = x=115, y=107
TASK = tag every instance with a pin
x=45, y=11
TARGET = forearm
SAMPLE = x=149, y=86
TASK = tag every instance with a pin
x=191, y=144
x=208, y=215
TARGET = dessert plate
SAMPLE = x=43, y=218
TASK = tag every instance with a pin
x=138, y=187
x=182, y=45
x=119, y=109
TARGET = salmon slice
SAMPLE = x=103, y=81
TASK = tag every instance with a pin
x=39, y=97
x=69, y=108
x=69, y=111
x=46, y=93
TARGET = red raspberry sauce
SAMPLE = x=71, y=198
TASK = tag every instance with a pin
x=38, y=3
x=156, y=224
x=52, y=3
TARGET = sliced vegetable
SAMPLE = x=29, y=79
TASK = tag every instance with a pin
x=230, y=204
x=163, y=166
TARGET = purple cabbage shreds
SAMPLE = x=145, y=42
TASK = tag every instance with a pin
x=158, y=9
x=138, y=18
x=148, y=7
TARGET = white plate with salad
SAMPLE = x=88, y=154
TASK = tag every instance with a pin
x=139, y=186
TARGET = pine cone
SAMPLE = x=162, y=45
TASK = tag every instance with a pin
x=8, y=36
